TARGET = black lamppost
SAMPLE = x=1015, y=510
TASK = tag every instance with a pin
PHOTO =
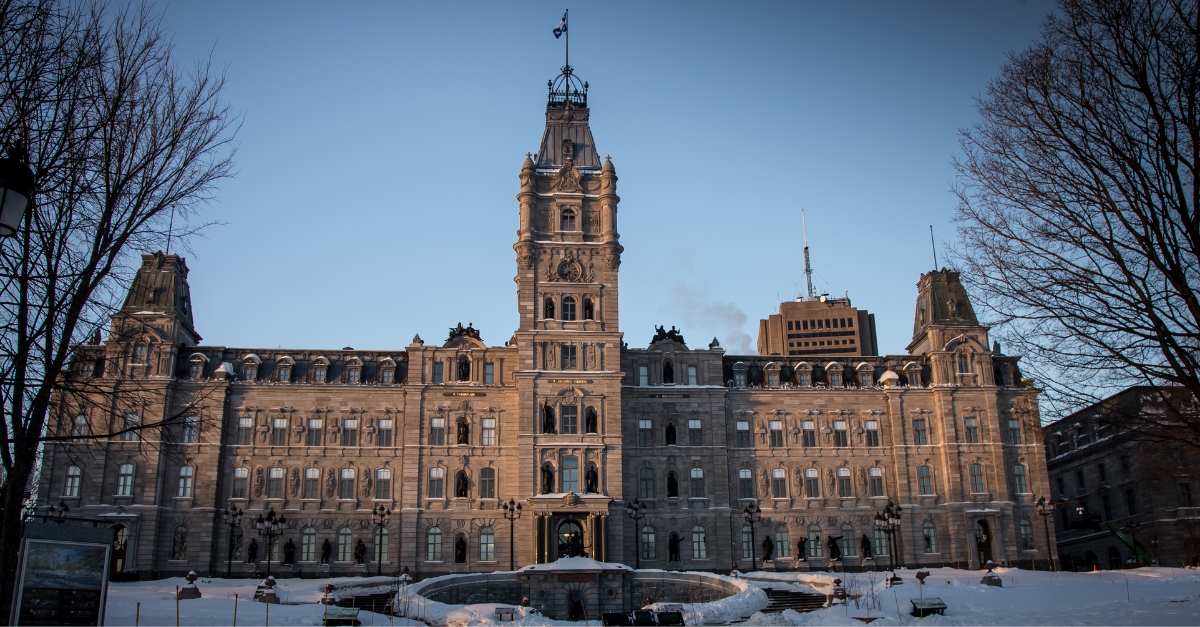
x=512, y=511
x=1045, y=508
x=270, y=528
x=380, y=515
x=16, y=188
x=889, y=522
x=752, y=514
x=233, y=518
x=637, y=511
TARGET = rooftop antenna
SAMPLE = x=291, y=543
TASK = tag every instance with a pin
x=807, y=265
x=934, y=244
x=170, y=229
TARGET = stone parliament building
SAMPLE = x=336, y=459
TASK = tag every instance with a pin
x=564, y=419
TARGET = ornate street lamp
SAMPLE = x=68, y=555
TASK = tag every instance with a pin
x=752, y=514
x=233, y=518
x=62, y=510
x=1045, y=508
x=380, y=515
x=637, y=511
x=270, y=528
x=512, y=511
x=889, y=522
x=16, y=188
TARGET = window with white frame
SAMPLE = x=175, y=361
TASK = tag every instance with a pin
x=312, y=483
x=875, y=481
x=775, y=430
x=643, y=376
x=74, y=478
x=346, y=484
x=699, y=543
x=186, y=479
x=745, y=483
x=742, y=428
x=697, y=479
x=487, y=433
x=779, y=483
x=275, y=483
x=125, y=480
x=691, y=375
x=241, y=483
x=384, y=437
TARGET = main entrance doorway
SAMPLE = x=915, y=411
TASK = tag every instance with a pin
x=570, y=539
x=983, y=542
x=120, y=543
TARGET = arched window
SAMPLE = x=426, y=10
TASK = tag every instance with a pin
x=186, y=477
x=1025, y=530
x=74, y=477
x=849, y=547
x=930, y=533
x=383, y=483
x=80, y=426
x=567, y=222
x=345, y=544
x=433, y=544
x=699, y=543
x=779, y=484
x=179, y=543
x=487, y=545
x=646, y=483
x=782, y=543
x=308, y=544
x=381, y=538
x=1019, y=485
x=964, y=363
x=668, y=374
x=649, y=551
x=977, y=478
x=346, y=483
x=814, y=541
x=568, y=308
x=548, y=308
x=589, y=309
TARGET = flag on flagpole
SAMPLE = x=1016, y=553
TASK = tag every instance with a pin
x=562, y=27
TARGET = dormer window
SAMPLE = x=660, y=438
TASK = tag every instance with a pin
x=196, y=365
x=567, y=222
x=772, y=370
x=834, y=372
x=387, y=371
x=320, y=369
x=866, y=375
x=250, y=372
x=739, y=375
x=913, y=372
x=354, y=370
x=804, y=374
x=284, y=374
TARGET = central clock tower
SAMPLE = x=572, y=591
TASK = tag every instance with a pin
x=569, y=342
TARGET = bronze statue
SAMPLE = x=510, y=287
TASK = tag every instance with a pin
x=461, y=486
x=360, y=552
x=548, y=419
x=768, y=548
x=672, y=485
x=464, y=432
x=590, y=480
x=547, y=479
x=801, y=545
x=670, y=434
x=460, y=551
x=326, y=549
x=673, y=548
x=835, y=549
x=866, y=546
x=252, y=551
x=289, y=552
x=590, y=421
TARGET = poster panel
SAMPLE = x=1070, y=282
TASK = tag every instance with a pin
x=62, y=583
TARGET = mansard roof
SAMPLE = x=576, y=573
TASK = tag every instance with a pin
x=567, y=131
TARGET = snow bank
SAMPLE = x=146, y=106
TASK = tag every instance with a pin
x=748, y=600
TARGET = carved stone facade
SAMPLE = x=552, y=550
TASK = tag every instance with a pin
x=563, y=419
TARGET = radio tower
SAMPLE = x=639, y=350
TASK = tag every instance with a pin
x=807, y=266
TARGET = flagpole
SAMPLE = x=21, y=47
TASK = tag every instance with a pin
x=567, y=19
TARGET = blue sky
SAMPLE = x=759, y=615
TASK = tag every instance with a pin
x=380, y=145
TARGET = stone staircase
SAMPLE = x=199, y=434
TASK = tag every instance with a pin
x=379, y=603
x=780, y=600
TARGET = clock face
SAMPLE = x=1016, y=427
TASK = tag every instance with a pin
x=569, y=271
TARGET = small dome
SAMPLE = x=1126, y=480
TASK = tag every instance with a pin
x=528, y=165
x=608, y=166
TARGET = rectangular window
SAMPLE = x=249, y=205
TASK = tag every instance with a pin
x=924, y=480
x=570, y=419
x=567, y=357
x=972, y=425
x=881, y=542
x=697, y=476
x=812, y=483
x=312, y=483
x=645, y=433
x=383, y=484
x=570, y=474
x=691, y=374
x=284, y=374
x=312, y=436
x=385, y=433
x=808, y=433
x=186, y=478
x=739, y=379
x=487, y=435
x=350, y=432
x=279, y=432
x=319, y=374
x=745, y=483
x=778, y=483
x=353, y=375
x=875, y=479
x=437, y=478
x=346, y=483
x=191, y=430
x=437, y=372
x=437, y=431
x=274, y=483
x=245, y=431
x=843, y=483
x=71, y=485
x=130, y=425
x=1019, y=484
x=241, y=481
x=920, y=435
x=487, y=545
x=125, y=480
x=872, y=428
x=1014, y=431
x=139, y=354
x=249, y=373
x=743, y=433
x=1130, y=503
x=387, y=375
x=814, y=542
x=1062, y=486
x=643, y=376
x=646, y=483
x=489, y=373
x=977, y=478
x=1185, y=495
x=775, y=432
x=747, y=542
x=695, y=433
x=841, y=437
x=487, y=483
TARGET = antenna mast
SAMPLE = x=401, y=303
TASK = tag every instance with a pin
x=807, y=265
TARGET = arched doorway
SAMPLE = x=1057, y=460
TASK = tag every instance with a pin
x=1092, y=562
x=120, y=544
x=1114, y=558
x=983, y=542
x=570, y=539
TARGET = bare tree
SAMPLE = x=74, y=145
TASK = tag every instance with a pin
x=122, y=143
x=1078, y=205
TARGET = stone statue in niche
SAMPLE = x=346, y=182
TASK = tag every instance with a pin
x=670, y=434
x=289, y=552
x=802, y=546
x=294, y=481
x=464, y=432
x=673, y=548
x=461, y=485
x=548, y=419
x=591, y=480
x=835, y=548
x=547, y=479
x=591, y=421
x=460, y=551
x=326, y=549
x=330, y=482
x=668, y=373
x=672, y=485
x=252, y=551
x=768, y=548
x=258, y=481
x=360, y=552
x=865, y=546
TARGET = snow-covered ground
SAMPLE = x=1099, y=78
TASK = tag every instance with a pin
x=1158, y=596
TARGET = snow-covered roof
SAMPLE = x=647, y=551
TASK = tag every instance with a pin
x=574, y=563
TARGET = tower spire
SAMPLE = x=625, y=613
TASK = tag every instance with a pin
x=807, y=265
